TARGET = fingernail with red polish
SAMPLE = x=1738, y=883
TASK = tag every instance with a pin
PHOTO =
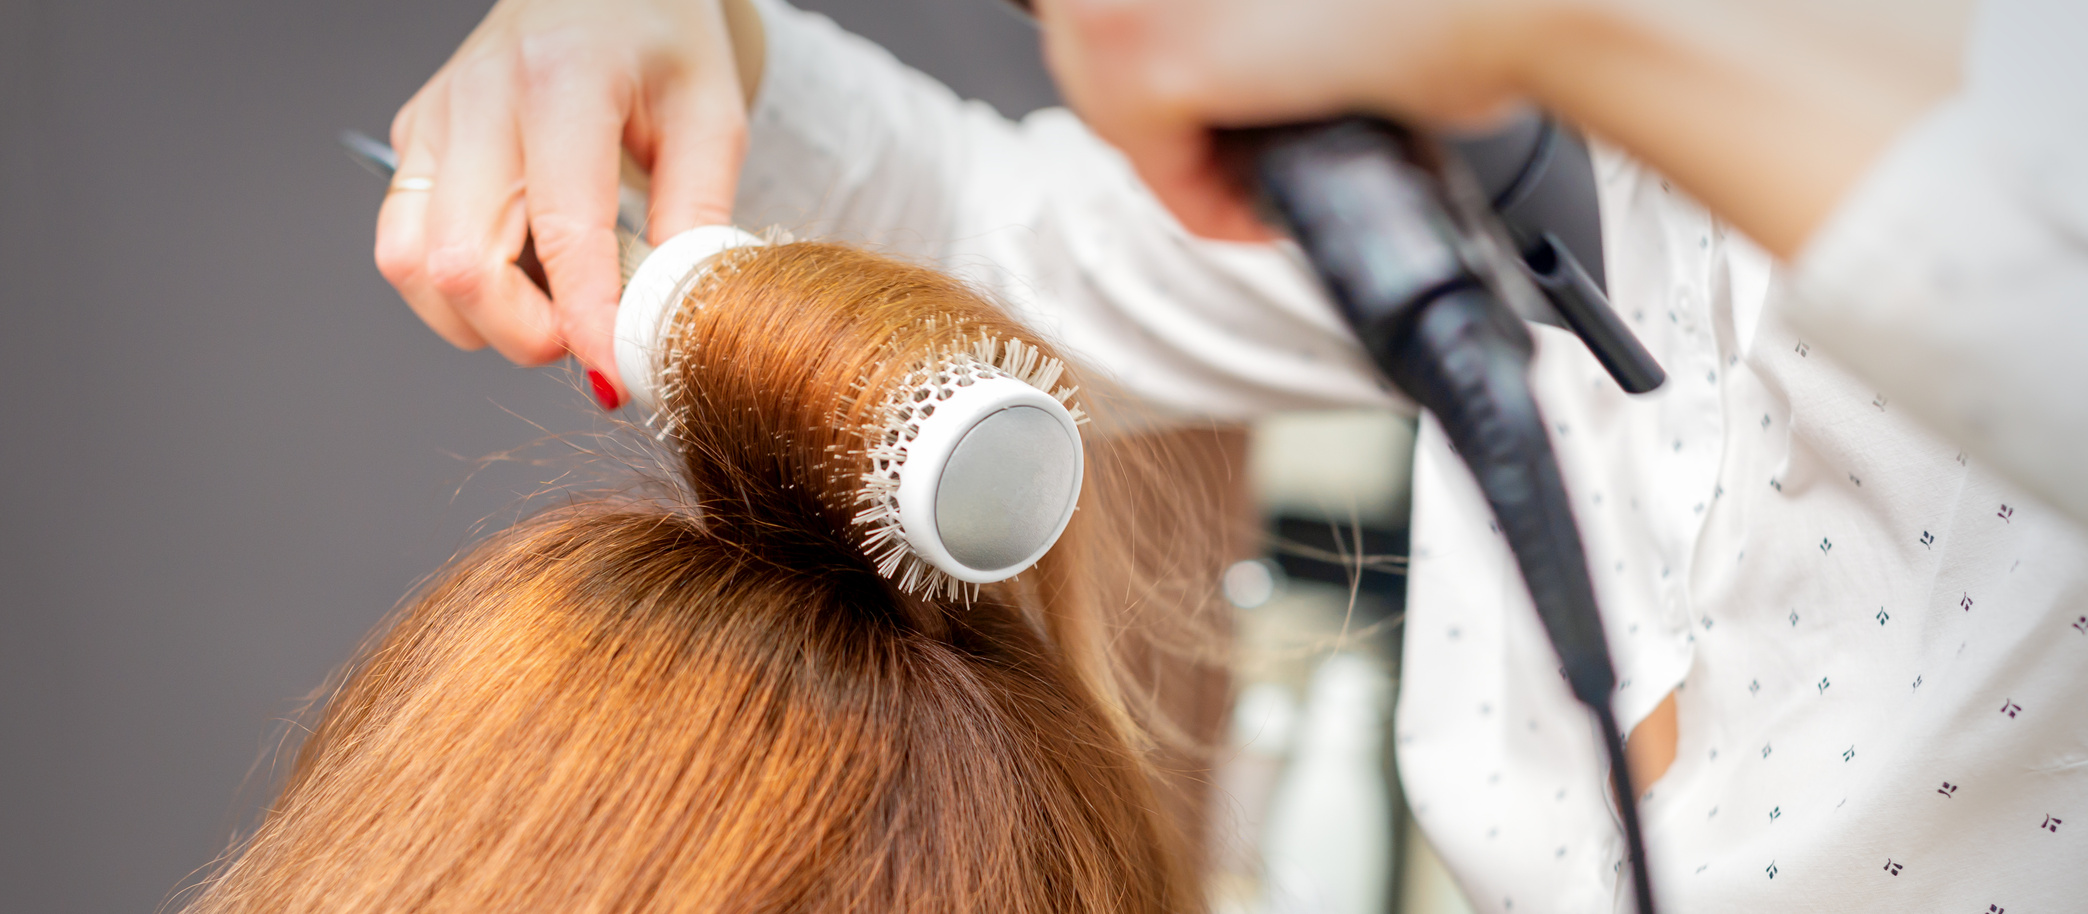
x=605, y=393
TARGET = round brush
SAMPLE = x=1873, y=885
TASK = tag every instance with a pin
x=976, y=466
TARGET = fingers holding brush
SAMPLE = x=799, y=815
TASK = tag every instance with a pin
x=478, y=222
x=453, y=224
x=402, y=229
x=512, y=151
x=572, y=152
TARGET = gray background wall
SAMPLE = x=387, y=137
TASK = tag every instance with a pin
x=226, y=447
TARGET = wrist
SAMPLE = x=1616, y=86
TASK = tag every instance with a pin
x=1758, y=128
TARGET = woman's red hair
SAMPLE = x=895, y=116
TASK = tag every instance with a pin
x=711, y=701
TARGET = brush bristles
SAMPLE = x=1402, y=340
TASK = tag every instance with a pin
x=673, y=384
x=884, y=540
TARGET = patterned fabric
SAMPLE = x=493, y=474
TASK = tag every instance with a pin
x=1854, y=616
x=1877, y=647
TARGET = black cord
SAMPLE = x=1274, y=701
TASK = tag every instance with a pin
x=1627, y=809
x=1466, y=359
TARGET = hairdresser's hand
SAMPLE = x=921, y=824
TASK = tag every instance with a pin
x=1152, y=76
x=1766, y=112
x=522, y=131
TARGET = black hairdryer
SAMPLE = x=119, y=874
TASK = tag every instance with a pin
x=1407, y=240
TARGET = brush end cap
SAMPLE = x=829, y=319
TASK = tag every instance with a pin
x=651, y=297
x=991, y=480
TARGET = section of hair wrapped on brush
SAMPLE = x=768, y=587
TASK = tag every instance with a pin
x=721, y=705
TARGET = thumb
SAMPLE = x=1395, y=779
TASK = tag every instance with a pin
x=703, y=140
x=1182, y=169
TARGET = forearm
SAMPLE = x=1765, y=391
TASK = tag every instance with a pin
x=1767, y=124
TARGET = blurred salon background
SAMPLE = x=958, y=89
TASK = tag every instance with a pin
x=228, y=449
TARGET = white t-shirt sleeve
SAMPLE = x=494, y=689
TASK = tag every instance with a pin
x=1955, y=275
x=847, y=143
